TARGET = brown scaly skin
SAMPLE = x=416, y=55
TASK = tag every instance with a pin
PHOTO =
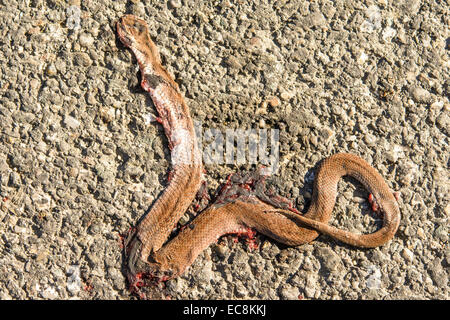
x=241, y=210
x=156, y=226
x=237, y=209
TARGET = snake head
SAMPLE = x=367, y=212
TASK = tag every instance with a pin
x=133, y=32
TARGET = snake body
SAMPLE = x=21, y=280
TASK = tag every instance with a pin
x=242, y=204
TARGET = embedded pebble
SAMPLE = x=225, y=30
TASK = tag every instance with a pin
x=49, y=293
x=330, y=261
x=373, y=281
x=73, y=279
x=175, y=3
x=394, y=153
x=86, y=40
x=82, y=59
x=441, y=233
x=71, y=122
x=388, y=34
x=407, y=255
x=420, y=95
x=274, y=102
x=51, y=70
x=289, y=293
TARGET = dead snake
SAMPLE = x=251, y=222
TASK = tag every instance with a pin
x=237, y=209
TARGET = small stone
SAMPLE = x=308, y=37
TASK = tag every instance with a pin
x=274, y=102
x=73, y=13
x=311, y=287
x=317, y=19
x=408, y=255
x=287, y=95
x=329, y=260
x=175, y=3
x=34, y=84
x=41, y=256
x=63, y=146
x=411, y=6
x=108, y=114
x=148, y=118
x=256, y=42
x=221, y=250
x=437, y=105
x=49, y=293
x=41, y=201
x=417, y=200
x=420, y=233
x=307, y=264
x=269, y=250
x=409, y=172
x=443, y=121
x=86, y=40
x=82, y=59
x=289, y=293
x=401, y=36
x=447, y=210
x=373, y=19
x=233, y=62
x=91, y=98
x=14, y=179
x=51, y=70
x=388, y=34
x=362, y=58
x=73, y=172
x=94, y=229
x=395, y=153
x=366, y=26
x=18, y=229
x=326, y=134
x=262, y=123
x=378, y=257
x=71, y=122
x=373, y=281
x=438, y=273
x=240, y=290
x=73, y=279
x=420, y=95
x=441, y=233
x=323, y=58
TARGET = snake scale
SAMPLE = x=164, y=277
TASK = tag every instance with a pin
x=242, y=204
